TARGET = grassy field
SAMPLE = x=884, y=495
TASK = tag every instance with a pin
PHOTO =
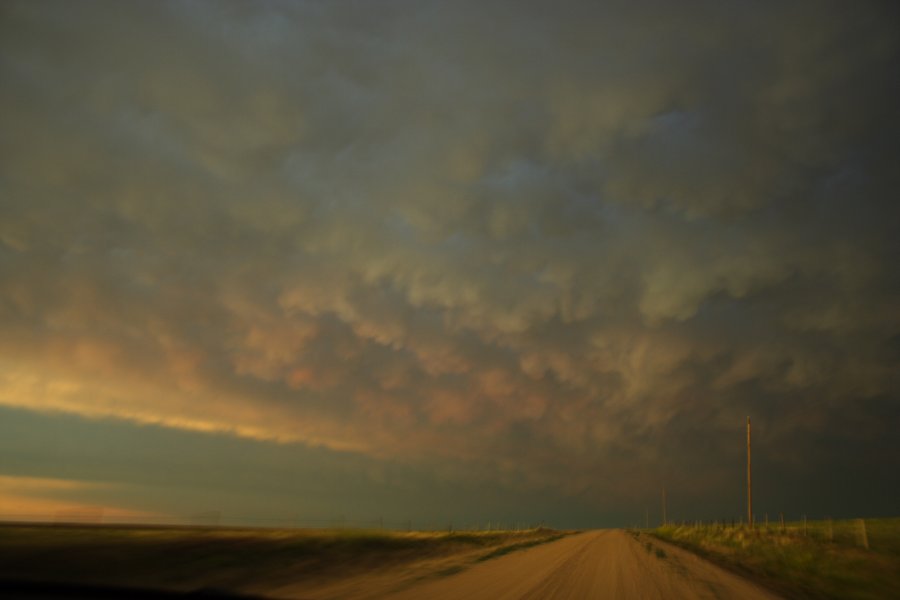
x=818, y=559
x=240, y=560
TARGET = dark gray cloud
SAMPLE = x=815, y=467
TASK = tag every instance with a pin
x=563, y=250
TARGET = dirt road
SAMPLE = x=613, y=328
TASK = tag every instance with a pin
x=601, y=564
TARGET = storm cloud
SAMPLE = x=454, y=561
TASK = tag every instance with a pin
x=511, y=245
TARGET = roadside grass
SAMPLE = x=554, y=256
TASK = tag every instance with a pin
x=185, y=558
x=818, y=559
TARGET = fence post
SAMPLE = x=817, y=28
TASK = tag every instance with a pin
x=749, y=481
x=864, y=539
x=783, y=530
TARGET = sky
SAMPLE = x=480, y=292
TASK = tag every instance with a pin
x=448, y=262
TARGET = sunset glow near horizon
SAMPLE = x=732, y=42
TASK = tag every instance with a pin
x=448, y=262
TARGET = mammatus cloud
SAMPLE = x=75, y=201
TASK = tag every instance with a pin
x=554, y=250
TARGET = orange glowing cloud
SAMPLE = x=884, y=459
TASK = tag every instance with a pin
x=36, y=499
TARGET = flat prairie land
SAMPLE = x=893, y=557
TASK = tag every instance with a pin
x=821, y=559
x=537, y=564
x=854, y=558
x=286, y=563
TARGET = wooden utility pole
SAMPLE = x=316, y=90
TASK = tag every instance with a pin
x=749, y=481
x=664, y=505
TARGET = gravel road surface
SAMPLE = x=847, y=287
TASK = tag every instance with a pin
x=599, y=564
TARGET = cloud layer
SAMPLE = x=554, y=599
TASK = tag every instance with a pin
x=564, y=249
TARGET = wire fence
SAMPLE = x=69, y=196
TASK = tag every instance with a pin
x=847, y=532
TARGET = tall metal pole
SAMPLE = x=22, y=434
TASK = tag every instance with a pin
x=749, y=481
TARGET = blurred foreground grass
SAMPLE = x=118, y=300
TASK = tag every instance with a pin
x=817, y=559
x=188, y=558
